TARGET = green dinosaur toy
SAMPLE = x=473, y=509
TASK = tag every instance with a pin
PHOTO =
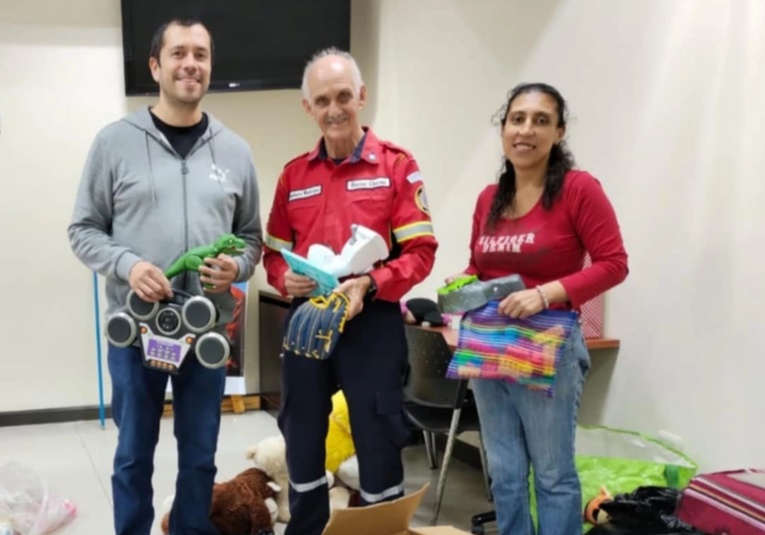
x=457, y=283
x=193, y=258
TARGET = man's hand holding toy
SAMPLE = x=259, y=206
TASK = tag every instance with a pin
x=169, y=324
x=218, y=270
x=316, y=325
x=149, y=283
x=299, y=285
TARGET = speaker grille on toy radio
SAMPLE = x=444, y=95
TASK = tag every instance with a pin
x=212, y=350
x=199, y=314
x=121, y=330
x=142, y=310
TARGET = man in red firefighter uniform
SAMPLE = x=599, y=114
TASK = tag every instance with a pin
x=351, y=177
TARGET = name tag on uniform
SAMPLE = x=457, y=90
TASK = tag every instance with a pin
x=297, y=194
x=368, y=183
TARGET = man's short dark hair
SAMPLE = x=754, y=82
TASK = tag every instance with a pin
x=158, y=40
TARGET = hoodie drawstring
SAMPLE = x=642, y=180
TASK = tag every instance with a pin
x=215, y=169
x=151, y=170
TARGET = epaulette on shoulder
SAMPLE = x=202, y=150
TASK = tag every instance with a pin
x=295, y=159
x=401, y=154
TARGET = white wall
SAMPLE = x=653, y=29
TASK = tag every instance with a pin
x=61, y=80
x=665, y=109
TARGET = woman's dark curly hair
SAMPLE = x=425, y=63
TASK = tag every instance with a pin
x=561, y=160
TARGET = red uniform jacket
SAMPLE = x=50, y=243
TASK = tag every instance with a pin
x=379, y=187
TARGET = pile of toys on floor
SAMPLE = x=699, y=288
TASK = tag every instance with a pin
x=257, y=498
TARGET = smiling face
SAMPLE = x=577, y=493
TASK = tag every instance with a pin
x=184, y=65
x=531, y=128
x=335, y=96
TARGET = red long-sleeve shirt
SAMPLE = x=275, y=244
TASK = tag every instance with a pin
x=379, y=187
x=544, y=246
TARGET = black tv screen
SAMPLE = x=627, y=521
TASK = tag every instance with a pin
x=259, y=44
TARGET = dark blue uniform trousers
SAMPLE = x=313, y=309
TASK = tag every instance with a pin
x=138, y=396
x=368, y=364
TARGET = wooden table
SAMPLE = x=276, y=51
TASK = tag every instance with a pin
x=451, y=337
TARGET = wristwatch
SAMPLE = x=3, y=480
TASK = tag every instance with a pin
x=372, y=290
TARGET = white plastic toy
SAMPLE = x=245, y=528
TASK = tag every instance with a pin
x=359, y=254
x=363, y=249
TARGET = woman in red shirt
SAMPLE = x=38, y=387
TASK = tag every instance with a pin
x=539, y=222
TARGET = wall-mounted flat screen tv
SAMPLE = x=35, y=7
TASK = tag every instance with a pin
x=259, y=44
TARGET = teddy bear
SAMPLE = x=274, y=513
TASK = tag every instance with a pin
x=270, y=456
x=244, y=505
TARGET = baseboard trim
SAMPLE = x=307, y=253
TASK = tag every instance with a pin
x=235, y=404
x=52, y=416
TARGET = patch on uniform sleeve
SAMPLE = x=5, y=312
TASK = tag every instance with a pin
x=415, y=177
x=421, y=200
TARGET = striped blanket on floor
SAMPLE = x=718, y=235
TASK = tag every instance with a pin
x=527, y=352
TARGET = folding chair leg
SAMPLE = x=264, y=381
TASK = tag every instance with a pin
x=485, y=466
x=430, y=448
x=445, y=464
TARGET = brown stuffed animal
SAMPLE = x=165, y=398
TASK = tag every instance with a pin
x=244, y=505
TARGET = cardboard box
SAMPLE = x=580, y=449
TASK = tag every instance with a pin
x=387, y=518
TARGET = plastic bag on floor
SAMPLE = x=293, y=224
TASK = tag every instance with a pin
x=623, y=461
x=646, y=511
x=28, y=506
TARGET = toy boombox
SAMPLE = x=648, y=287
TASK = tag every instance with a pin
x=168, y=331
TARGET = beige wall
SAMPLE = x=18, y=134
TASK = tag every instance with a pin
x=666, y=111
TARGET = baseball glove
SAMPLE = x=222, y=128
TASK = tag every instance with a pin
x=316, y=326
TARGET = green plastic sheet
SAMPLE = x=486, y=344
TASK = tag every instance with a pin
x=622, y=461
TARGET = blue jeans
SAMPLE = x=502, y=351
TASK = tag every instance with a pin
x=138, y=395
x=521, y=427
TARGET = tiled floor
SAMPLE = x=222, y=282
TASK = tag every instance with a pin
x=75, y=460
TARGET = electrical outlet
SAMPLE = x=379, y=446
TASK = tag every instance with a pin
x=671, y=439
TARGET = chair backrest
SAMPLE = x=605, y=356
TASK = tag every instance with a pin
x=426, y=382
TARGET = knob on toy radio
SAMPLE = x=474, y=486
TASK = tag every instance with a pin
x=169, y=321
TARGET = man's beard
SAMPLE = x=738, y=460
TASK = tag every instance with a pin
x=181, y=99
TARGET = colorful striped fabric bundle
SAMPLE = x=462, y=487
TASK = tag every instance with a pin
x=527, y=352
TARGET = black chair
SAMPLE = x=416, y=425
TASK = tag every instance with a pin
x=437, y=405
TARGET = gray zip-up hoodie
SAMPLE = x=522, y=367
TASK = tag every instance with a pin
x=139, y=200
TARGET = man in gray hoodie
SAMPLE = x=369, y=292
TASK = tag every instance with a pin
x=156, y=183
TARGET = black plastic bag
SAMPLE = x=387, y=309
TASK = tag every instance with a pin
x=646, y=511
